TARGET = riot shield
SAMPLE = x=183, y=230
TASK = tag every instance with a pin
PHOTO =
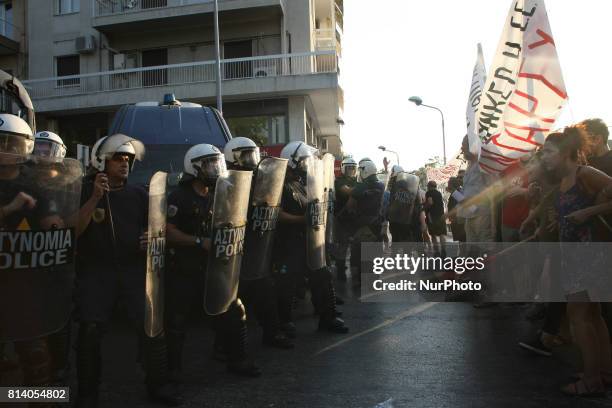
x=329, y=162
x=37, y=246
x=263, y=218
x=403, y=198
x=315, y=213
x=156, y=251
x=229, y=219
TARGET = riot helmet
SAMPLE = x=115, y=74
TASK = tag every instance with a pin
x=49, y=145
x=242, y=152
x=16, y=139
x=367, y=169
x=107, y=147
x=296, y=153
x=206, y=163
x=349, y=167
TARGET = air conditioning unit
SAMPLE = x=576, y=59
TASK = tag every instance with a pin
x=85, y=44
x=119, y=61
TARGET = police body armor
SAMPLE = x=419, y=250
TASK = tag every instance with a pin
x=37, y=248
x=315, y=214
x=229, y=219
x=263, y=218
x=403, y=198
x=156, y=247
x=329, y=162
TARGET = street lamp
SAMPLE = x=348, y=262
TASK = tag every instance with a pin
x=384, y=149
x=419, y=102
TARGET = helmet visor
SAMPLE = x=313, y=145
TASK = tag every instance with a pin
x=349, y=170
x=210, y=167
x=49, y=149
x=247, y=158
x=14, y=146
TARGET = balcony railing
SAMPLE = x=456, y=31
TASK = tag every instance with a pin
x=181, y=74
x=110, y=7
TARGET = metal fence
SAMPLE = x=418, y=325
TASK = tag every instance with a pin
x=181, y=74
x=109, y=7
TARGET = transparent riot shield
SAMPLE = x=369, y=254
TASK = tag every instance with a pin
x=37, y=247
x=403, y=198
x=263, y=218
x=315, y=213
x=329, y=162
x=156, y=251
x=229, y=219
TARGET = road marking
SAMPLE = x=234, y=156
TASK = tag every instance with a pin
x=407, y=313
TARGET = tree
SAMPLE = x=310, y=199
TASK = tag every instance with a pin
x=255, y=128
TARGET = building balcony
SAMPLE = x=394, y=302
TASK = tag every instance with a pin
x=9, y=38
x=242, y=78
x=110, y=15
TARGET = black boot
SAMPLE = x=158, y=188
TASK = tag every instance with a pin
x=335, y=325
x=88, y=365
x=289, y=330
x=157, y=377
x=329, y=321
x=235, y=329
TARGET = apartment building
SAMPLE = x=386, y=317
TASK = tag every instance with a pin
x=13, y=43
x=280, y=64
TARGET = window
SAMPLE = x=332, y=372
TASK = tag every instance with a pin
x=66, y=7
x=6, y=20
x=65, y=66
x=324, y=145
x=263, y=130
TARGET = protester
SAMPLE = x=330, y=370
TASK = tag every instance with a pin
x=436, y=223
x=457, y=224
x=580, y=187
x=477, y=208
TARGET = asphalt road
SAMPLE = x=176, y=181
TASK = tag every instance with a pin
x=398, y=354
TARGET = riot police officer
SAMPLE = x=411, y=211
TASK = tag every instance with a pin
x=256, y=285
x=188, y=236
x=292, y=261
x=49, y=151
x=344, y=185
x=19, y=202
x=405, y=211
x=365, y=204
x=112, y=265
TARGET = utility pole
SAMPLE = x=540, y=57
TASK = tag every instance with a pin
x=218, y=58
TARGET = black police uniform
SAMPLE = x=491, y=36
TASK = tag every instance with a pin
x=34, y=356
x=343, y=223
x=111, y=266
x=291, y=264
x=191, y=213
x=368, y=197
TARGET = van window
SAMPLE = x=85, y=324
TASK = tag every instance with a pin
x=161, y=125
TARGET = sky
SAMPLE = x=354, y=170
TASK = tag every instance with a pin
x=394, y=49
